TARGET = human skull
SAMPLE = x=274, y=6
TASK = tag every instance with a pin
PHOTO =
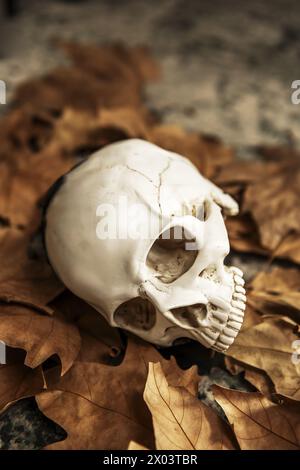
x=138, y=233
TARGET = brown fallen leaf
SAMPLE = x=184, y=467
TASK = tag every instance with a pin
x=277, y=291
x=261, y=381
x=258, y=423
x=181, y=421
x=188, y=379
x=40, y=335
x=269, y=346
x=100, y=341
x=18, y=381
x=115, y=76
x=243, y=235
x=256, y=377
x=273, y=206
x=289, y=248
x=31, y=282
x=100, y=406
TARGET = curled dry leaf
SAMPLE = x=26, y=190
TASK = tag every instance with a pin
x=256, y=377
x=269, y=346
x=18, y=381
x=258, y=423
x=181, y=421
x=40, y=335
x=261, y=381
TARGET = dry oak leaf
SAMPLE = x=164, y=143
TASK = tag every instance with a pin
x=269, y=346
x=31, y=282
x=18, y=381
x=258, y=423
x=101, y=406
x=40, y=335
x=181, y=421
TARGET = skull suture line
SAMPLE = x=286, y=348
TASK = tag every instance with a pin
x=155, y=286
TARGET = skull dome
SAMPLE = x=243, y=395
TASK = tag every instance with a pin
x=138, y=233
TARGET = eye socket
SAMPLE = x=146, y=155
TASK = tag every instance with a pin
x=137, y=313
x=169, y=258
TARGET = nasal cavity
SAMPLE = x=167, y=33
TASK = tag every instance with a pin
x=172, y=254
x=190, y=316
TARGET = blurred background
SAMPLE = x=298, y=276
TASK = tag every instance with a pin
x=227, y=65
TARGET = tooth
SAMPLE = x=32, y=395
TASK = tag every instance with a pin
x=219, y=347
x=221, y=303
x=226, y=340
x=237, y=271
x=217, y=325
x=239, y=280
x=239, y=296
x=238, y=319
x=212, y=334
x=239, y=304
x=209, y=340
x=235, y=324
x=237, y=312
x=220, y=316
x=240, y=289
x=230, y=332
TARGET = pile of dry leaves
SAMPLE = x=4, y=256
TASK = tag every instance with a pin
x=64, y=354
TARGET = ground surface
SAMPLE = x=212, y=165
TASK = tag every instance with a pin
x=227, y=70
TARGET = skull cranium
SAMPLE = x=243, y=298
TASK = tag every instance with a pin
x=139, y=234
